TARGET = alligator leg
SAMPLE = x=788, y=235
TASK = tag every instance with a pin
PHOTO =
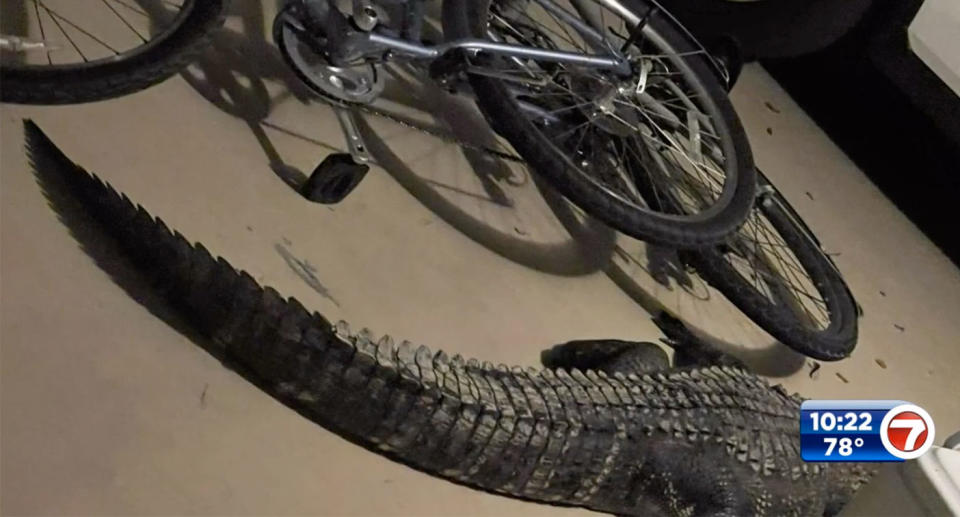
x=690, y=349
x=608, y=355
x=639, y=357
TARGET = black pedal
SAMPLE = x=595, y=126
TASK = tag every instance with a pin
x=334, y=179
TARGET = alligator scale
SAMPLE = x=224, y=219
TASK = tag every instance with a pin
x=705, y=440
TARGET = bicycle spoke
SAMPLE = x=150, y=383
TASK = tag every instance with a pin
x=678, y=54
x=43, y=34
x=795, y=272
x=124, y=20
x=663, y=146
x=676, y=147
x=570, y=130
x=91, y=31
x=650, y=174
x=131, y=8
x=516, y=32
x=603, y=31
x=789, y=278
x=569, y=108
x=563, y=28
x=554, y=33
x=665, y=118
x=53, y=17
x=576, y=148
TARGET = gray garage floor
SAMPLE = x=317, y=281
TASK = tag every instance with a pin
x=107, y=410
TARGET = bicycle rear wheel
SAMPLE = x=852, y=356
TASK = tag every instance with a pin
x=659, y=155
x=775, y=271
x=81, y=51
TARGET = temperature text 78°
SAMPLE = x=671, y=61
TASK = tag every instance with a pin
x=846, y=445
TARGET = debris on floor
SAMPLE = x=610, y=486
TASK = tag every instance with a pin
x=305, y=270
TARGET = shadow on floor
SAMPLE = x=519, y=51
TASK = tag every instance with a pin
x=232, y=74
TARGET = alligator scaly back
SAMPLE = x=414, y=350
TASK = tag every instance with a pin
x=693, y=441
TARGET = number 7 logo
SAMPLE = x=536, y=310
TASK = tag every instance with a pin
x=914, y=423
x=907, y=431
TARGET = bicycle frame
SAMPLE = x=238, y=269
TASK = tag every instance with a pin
x=348, y=42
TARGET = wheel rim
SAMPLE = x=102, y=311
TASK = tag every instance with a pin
x=86, y=34
x=766, y=261
x=655, y=141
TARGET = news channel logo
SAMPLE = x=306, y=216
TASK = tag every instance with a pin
x=864, y=430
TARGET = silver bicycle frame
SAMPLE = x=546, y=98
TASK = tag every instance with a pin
x=591, y=35
x=585, y=22
x=505, y=49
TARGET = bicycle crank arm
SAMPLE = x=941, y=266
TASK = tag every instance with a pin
x=355, y=143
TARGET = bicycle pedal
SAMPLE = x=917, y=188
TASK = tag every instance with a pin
x=334, y=179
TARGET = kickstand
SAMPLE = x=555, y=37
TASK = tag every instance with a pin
x=339, y=173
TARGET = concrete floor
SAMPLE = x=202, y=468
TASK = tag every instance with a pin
x=108, y=410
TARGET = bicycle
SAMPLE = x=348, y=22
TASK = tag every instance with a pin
x=611, y=101
x=574, y=85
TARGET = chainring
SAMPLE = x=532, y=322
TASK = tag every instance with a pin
x=301, y=49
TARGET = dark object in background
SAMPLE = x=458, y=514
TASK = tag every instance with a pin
x=890, y=113
x=768, y=28
x=848, y=63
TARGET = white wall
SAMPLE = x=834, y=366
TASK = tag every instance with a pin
x=935, y=38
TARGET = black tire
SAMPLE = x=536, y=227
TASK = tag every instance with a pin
x=129, y=72
x=467, y=18
x=830, y=340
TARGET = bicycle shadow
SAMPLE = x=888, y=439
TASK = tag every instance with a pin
x=773, y=359
x=232, y=76
x=232, y=73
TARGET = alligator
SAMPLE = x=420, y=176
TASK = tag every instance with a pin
x=608, y=425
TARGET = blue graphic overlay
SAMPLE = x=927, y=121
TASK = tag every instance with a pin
x=844, y=430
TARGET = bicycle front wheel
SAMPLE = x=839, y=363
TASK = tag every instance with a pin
x=73, y=51
x=774, y=270
x=658, y=154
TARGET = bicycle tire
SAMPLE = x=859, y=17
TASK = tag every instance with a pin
x=834, y=342
x=467, y=18
x=132, y=71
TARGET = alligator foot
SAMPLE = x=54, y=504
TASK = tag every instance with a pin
x=608, y=355
x=690, y=349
